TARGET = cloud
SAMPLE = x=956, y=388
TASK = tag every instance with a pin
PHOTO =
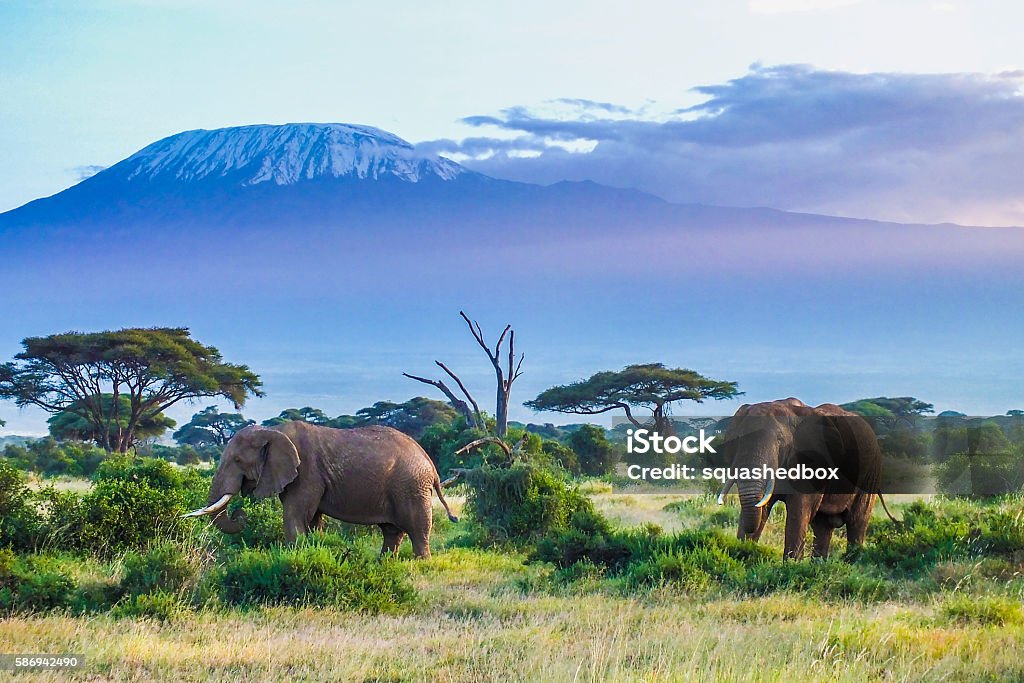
x=83, y=172
x=910, y=147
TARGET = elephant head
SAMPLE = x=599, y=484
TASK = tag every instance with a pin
x=760, y=435
x=257, y=461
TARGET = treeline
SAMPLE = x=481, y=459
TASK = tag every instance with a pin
x=580, y=449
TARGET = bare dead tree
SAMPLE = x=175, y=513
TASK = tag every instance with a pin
x=473, y=416
x=511, y=452
x=504, y=377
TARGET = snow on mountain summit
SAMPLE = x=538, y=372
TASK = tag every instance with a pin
x=285, y=154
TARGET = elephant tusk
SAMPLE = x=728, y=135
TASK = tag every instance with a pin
x=769, y=490
x=725, y=489
x=210, y=509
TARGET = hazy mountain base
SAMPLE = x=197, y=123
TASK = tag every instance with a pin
x=484, y=615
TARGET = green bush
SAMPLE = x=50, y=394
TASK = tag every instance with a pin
x=33, y=583
x=523, y=502
x=164, y=567
x=830, y=578
x=62, y=514
x=597, y=455
x=984, y=610
x=119, y=515
x=158, y=474
x=982, y=474
x=19, y=519
x=264, y=525
x=51, y=457
x=159, y=606
x=589, y=537
x=441, y=440
x=315, y=573
x=931, y=532
x=565, y=457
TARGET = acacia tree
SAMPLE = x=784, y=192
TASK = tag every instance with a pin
x=74, y=423
x=154, y=368
x=650, y=385
x=890, y=411
x=504, y=378
x=412, y=417
x=308, y=414
x=210, y=427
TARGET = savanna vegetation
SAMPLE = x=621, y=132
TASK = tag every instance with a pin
x=553, y=573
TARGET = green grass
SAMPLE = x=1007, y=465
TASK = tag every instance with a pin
x=698, y=606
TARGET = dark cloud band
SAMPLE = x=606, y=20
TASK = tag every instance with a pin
x=917, y=147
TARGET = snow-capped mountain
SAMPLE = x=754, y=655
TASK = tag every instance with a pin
x=284, y=155
x=314, y=248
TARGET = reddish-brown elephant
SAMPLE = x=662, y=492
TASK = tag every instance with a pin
x=370, y=475
x=788, y=433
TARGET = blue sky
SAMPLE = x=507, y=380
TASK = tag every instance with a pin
x=85, y=84
x=906, y=111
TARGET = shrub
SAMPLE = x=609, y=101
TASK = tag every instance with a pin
x=930, y=533
x=523, y=502
x=695, y=559
x=985, y=610
x=159, y=606
x=51, y=457
x=62, y=517
x=158, y=474
x=120, y=515
x=314, y=573
x=981, y=474
x=264, y=526
x=33, y=583
x=830, y=578
x=19, y=520
x=588, y=538
x=441, y=440
x=565, y=457
x=596, y=454
x=164, y=567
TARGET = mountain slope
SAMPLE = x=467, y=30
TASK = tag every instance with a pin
x=336, y=257
x=283, y=155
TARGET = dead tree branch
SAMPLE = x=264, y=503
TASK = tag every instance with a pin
x=461, y=406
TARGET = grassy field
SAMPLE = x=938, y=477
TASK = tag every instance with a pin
x=485, y=615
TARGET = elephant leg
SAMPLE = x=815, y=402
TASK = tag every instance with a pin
x=857, y=521
x=393, y=537
x=822, y=537
x=293, y=528
x=296, y=522
x=799, y=511
x=421, y=543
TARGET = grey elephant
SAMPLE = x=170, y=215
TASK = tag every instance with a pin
x=788, y=433
x=369, y=475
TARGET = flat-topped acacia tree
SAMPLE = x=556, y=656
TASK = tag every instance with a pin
x=154, y=368
x=651, y=386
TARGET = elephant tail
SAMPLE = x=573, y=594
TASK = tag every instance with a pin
x=886, y=508
x=437, y=487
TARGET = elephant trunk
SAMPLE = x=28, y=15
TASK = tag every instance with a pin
x=226, y=483
x=750, y=514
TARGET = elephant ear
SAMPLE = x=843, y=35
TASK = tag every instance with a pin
x=279, y=465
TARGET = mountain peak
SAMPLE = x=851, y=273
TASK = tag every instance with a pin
x=284, y=155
